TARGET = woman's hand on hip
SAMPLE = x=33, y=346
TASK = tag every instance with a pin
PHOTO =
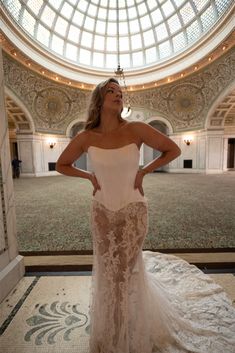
x=95, y=183
x=138, y=182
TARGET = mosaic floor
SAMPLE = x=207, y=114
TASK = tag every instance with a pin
x=45, y=314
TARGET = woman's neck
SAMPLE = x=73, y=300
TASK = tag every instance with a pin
x=108, y=123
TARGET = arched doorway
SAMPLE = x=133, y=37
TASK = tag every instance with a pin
x=82, y=161
x=17, y=123
x=20, y=126
x=149, y=153
x=221, y=118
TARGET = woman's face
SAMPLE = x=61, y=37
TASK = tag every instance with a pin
x=113, y=97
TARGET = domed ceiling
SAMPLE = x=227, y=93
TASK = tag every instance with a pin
x=99, y=34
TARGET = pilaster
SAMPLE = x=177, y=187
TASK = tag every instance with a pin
x=11, y=263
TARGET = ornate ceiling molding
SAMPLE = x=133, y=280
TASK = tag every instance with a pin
x=224, y=114
x=186, y=103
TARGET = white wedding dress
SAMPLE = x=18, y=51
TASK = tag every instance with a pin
x=144, y=302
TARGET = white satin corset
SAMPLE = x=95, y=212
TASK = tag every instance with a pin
x=115, y=170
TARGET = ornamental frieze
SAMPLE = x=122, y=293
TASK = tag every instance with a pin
x=52, y=106
x=185, y=103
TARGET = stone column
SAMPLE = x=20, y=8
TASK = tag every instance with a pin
x=25, y=150
x=11, y=263
x=215, y=152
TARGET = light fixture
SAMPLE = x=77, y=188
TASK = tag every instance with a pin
x=126, y=112
x=119, y=72
x=51, y=143
x=188, y=140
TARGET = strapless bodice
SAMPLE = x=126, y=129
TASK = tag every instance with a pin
x=115, y=170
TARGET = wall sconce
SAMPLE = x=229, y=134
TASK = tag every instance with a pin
x=188, y=140
x=51, y=143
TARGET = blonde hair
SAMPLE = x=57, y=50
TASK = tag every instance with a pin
x=96, y=101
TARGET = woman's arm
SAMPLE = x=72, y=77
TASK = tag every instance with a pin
x=71, y=153
x=155, y=139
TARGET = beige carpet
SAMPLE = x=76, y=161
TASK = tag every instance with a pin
x=50, y=314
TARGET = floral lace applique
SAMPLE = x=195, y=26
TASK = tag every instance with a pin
x=153, y=303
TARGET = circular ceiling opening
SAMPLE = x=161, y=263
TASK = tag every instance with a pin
x=92, y=34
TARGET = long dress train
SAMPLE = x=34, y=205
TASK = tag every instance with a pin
x=146, y=302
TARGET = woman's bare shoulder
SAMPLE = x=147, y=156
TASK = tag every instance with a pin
x=81, y=135
x=136, y=123
x=81, y=138
x=136, y=126
x=89, y=137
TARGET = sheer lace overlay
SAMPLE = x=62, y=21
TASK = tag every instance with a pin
x=146, y=302
x=118, y=237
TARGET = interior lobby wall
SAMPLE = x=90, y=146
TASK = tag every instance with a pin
x=184, y=104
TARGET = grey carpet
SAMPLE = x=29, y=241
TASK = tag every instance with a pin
x=185, y=211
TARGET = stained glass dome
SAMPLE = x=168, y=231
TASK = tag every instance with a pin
x=95, y=33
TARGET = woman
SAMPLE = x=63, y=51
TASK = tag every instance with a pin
x=140, y=304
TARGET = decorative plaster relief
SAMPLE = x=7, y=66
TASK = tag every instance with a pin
x=224, y=114
x=230, y=120
x=137, y=116
x=17, y=119
x=52, y=105
x=216, y=122
x=185, y=103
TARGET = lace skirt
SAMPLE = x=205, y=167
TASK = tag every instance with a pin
x=146, y=302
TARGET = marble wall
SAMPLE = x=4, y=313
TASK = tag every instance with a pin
x=207, y=151
x=11, y=264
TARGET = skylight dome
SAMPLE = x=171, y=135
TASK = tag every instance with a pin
x=90, y=34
